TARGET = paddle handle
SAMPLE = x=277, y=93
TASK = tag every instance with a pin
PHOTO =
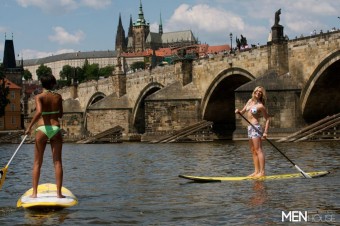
x=23, y=140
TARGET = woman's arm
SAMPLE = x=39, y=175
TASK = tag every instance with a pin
x=266, y=117
x=243, y=109
x=37, y=114
x=61, y=110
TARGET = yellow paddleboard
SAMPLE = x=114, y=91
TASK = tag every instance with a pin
x=47, y=198
x=272, y=177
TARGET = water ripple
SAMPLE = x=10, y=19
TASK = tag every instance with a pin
x=138, y=184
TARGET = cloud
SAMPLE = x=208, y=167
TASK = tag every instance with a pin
x=62, y=37
x=206, y=22
x=204, y=18
x=50, y=6
x=3, y=29
x=34, y=54
x=315, y=7
x=96, y=4
x=62, y=6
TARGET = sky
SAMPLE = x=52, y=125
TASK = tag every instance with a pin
x=41, y=28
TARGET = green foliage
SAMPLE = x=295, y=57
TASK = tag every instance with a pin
x=27, y=75
x=92, y=72
x=106, y=71
x=4, y=91
x=80, y=75
x=43, y=70
x=62, y=83
x=137, y=65
x=67, y=73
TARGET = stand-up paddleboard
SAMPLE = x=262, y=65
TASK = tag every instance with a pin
x=272, y=177
x=47, y=198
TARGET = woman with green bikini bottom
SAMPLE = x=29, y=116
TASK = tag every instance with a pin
x=49, y=109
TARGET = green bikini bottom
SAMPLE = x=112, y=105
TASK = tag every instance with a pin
x=49, y=130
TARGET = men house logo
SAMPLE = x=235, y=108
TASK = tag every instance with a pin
x=304, y=216
x=294, y=216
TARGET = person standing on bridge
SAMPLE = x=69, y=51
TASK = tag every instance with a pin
x=49, y=109
x=255, y=109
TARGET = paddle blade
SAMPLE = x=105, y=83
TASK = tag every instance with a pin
x=303, y=173
x=2, y=176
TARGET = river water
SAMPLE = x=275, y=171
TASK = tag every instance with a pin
x=138, y=184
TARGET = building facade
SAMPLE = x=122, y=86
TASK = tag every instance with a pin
x=12, y=118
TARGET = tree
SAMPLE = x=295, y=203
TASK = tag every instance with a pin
x=4, y=91
x=43, y=70
x=79, y=74
x=137, y=65
x=27, y=75
x=67, y=73
x=92, y=72
x=106, y=71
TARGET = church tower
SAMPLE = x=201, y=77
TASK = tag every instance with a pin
x=120, y=37
x=141, y=30
x=12, y=71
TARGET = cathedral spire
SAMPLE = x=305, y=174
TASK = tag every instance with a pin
x=160, y=24
x=120, y=36
x=140, y=20
x=130, y=34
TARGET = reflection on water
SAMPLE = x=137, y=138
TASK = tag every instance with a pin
x=260, y=194
x=138, y=184
x=46, y=217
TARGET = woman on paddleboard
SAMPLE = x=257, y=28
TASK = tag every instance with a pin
x=255, y=109
x=49, y=109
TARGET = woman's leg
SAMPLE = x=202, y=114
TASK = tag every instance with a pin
x=40, y=144
x=257, y=142
x=56, y=146
x=255, y=158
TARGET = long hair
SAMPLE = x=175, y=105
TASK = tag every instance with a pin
x=263, y=97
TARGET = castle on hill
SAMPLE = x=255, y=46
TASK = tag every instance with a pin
x=140, y=38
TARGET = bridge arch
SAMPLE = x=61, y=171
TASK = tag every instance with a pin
x=320, y=96
x=138, y=114
x=218, y=103
x=93, y=99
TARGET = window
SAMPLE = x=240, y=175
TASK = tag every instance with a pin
x=12, y=107
x=12, y=94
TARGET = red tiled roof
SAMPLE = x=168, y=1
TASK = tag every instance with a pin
x=162, y=52
x=10, y=84
x=217, y=49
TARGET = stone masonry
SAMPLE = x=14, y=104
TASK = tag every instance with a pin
x=170, y=101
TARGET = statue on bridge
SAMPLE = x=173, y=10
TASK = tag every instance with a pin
x=242, y=44
x=277, y=17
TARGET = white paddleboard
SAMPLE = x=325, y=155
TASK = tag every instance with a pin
x=47, y=198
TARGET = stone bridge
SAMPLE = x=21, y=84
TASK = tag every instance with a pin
x=301, y=77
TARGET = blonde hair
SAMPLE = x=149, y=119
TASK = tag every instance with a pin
x=263, y=97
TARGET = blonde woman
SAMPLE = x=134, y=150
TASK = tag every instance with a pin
x=255, y=109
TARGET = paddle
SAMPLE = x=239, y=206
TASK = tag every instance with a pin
x=3, y=171
x=298, y=168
